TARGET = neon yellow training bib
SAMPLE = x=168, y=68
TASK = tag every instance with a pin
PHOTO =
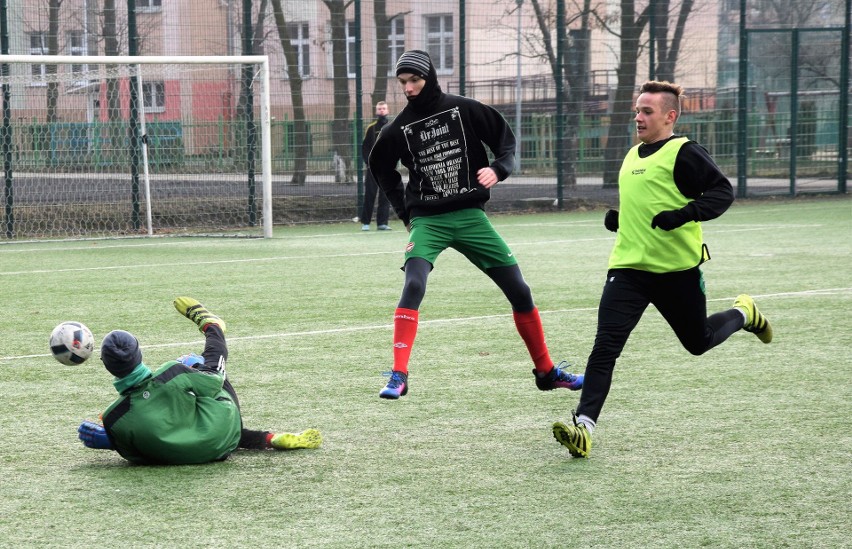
x=646, y=187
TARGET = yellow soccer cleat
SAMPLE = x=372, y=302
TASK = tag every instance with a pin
x=195, y=311
x=755, y=322
x=309, y=439
x=575, y=437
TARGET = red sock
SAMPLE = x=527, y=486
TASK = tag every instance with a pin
x=269, y=437
x=532, y=332
x=404, y=332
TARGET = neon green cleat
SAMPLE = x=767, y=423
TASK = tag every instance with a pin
x=195, y=311
x=755, y=322
x=309, y=438
x=575, y=437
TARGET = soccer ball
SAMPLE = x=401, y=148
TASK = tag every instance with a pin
x=71, y=343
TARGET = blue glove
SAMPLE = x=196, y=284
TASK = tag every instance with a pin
x=94, y=436
x=192, y=360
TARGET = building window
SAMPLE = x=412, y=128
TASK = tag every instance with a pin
x=149, y=5
x=77, y=46
x=38, y=46
x=300, y=40
x=154, y=96
x=351, y=65
x=396, y=41
x=439, y=42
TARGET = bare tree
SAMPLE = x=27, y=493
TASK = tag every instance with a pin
x=383, y=60
x=109, y=32
x=818, y=61
x=618, y=135
x=53, y=7
x=341, y=131
x=300, y=126
x=667, y=52
x=255, y=40
x=582, y=18
x=573, y=75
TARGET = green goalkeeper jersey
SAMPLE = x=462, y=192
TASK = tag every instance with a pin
x=176, y=415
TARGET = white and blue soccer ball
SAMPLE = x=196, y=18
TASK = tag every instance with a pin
x=72, y=343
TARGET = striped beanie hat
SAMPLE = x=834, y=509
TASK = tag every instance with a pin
x=414, y=62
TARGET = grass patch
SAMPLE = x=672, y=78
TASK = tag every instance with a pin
x=746, y=446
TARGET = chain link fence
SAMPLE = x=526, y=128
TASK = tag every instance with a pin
x=767, y=88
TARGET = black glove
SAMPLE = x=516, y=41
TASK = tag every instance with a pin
x=611, y=220
x=669, y=220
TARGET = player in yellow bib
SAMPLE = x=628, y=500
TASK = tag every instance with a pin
x=667, y=186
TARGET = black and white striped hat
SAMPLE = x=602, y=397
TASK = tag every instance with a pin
x=414, y=62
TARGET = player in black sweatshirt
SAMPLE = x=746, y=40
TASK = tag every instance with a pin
x=441, y=138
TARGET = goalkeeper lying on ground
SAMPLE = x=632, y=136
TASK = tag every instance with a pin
x=184, y=412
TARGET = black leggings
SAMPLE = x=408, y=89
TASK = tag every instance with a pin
x=680, y=299
x=215, y=353
x=509, y=279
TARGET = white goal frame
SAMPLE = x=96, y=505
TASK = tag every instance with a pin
x=261, y=61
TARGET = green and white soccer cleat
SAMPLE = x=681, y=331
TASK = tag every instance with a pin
x=307, y=439
x=755, y=322
x=196, y=312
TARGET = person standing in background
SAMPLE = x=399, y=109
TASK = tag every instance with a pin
x=371, y=189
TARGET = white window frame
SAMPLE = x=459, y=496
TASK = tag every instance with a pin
x=300, y=38
x=350, y=49
x=154, y=96
x=38, y=72
x=440, y=44
x=81, y=48
x=396, y=41
x=149, y=6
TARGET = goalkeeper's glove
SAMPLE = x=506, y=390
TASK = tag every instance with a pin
x=195, y=311
x=669, y=220
x=611, y=220
x=94, y=436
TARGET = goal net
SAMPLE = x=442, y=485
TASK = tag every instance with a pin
x=97, y=146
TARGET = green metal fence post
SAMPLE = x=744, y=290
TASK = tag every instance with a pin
x=462, y=47
x=794, y=108
x=560, y=99
x=7, y=128
x=359, y=109
x=843, y=141
x=133, y=49
x=742, y=100
x=251, y=130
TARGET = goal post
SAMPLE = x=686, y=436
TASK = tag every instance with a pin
x=100, y=146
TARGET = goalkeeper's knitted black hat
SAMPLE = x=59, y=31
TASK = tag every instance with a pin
x=120, y=353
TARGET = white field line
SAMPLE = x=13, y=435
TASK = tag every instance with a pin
x=273, y=258
x=194, y=244
x=460, y=320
